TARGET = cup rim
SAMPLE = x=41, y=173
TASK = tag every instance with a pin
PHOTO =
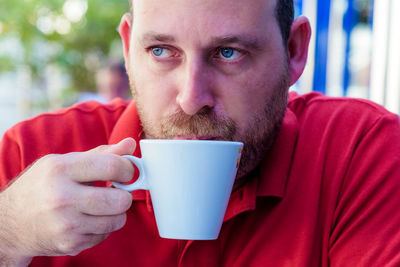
x=191, y=141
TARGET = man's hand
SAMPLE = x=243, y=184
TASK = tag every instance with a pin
x=52, y=210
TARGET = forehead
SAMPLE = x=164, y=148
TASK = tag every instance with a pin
x=204, y=17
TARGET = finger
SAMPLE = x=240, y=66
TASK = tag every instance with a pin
x=100, y=225
x=102, y=201
x=89, y=167
x=125, y=147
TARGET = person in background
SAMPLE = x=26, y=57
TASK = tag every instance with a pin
x=112, y=82
x=319, y=178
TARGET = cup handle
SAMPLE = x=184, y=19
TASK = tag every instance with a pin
x=140, y=182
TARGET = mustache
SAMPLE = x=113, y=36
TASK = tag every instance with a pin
x=204, y=123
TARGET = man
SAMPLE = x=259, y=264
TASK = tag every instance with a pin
x=318, y=183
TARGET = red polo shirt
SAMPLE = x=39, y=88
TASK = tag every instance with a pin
x=327, y=194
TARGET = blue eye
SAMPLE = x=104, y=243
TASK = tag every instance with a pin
x=157, y=51
x=162, y=52
x=227, y=52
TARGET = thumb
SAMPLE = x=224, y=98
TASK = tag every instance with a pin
x=125, y=147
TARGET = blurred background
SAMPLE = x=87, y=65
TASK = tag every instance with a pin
x=54, y=53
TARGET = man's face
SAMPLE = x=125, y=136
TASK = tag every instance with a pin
x=209, y=69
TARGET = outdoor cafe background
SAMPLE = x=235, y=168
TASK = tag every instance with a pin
x=354, y=51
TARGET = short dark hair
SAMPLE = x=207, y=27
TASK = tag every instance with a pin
x=284, y=13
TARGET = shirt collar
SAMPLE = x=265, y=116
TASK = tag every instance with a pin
x=275, y=167
x=128, y=125
x=273, y=174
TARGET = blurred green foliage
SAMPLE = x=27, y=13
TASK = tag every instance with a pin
x=80, y=47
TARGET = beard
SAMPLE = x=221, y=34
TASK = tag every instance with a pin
x=262, y=128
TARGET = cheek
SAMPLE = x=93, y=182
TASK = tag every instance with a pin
x=246, y=96
x=154, y=93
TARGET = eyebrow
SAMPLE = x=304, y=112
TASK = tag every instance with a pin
x=243, y=40
x=156, y=37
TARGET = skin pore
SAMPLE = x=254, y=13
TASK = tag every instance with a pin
x=221, y=75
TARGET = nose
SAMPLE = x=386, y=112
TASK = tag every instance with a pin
x=196, y=88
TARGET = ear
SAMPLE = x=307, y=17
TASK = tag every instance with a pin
x=125, y=33
x=297, y=46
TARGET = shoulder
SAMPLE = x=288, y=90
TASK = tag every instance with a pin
x=337, y=132
x=90, y=110
x=314, y=100
x=338, y=113
x=84, y=115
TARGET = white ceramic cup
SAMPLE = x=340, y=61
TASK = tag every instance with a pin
x=190, y=182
